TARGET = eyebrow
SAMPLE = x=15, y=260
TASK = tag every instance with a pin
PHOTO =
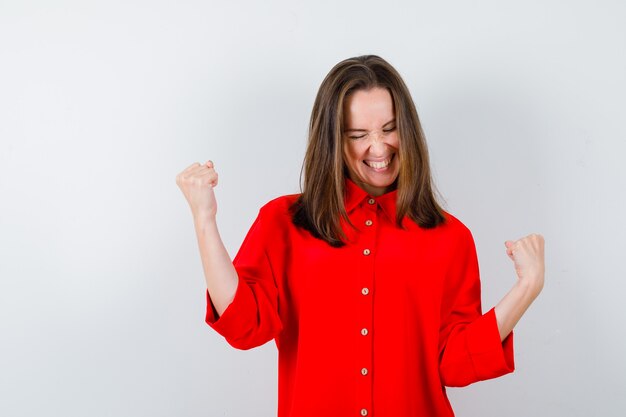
x=364, y=130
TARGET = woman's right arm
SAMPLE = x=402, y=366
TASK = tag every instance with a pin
x=197, y=182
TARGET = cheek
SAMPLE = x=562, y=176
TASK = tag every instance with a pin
x=395, y=141
x=350, y=154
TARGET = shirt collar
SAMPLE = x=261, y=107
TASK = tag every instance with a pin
x=354, y=195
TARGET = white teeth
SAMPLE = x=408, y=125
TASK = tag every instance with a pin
x=378, y=165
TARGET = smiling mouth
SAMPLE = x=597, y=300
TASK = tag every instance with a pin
x=381, y=164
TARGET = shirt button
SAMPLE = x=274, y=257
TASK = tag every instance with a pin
x=364, y=371
x=366, y=252
x=371, y=201
x=368, y=222
x=365, y=291
x=364, y=332
x=363, y=411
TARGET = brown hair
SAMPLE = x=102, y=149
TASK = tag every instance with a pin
x=320, y=207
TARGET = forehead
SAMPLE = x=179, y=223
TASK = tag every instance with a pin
x=367, y=107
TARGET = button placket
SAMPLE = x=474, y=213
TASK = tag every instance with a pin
x=367, y=246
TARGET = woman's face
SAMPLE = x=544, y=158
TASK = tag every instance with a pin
x=370, y=140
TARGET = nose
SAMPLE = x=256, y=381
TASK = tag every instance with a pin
x=377, y=143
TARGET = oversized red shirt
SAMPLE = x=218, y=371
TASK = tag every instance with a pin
x=377, y=327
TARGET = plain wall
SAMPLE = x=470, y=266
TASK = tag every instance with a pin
x=103, y=103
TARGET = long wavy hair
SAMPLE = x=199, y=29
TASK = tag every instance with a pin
x=320, y=207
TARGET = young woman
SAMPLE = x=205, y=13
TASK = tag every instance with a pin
x=370, y=290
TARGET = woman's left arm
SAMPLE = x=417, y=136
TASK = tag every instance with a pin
x=527, y=255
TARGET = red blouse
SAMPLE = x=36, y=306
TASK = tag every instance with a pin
x=377, y=327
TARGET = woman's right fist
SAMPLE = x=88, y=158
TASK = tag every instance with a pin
x=197, y=182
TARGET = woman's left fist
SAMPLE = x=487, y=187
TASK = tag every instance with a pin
x=527, y=255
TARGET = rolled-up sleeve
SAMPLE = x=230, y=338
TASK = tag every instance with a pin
x=252, y=318
x=470, y=345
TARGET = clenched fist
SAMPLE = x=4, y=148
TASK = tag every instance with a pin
x=527, y=255
x=197, y=182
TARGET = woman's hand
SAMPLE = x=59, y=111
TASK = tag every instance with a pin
x=528, y=258
x=527, y=255
x=197, y=182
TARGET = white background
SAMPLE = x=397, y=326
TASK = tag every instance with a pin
x=103, y=103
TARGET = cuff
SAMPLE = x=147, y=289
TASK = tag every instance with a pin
x=490, y=356
x=229, y=324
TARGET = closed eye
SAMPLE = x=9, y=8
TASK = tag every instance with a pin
x=355, y=137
